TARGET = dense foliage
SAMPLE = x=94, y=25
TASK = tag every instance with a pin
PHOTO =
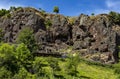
x=1, y=35
x=4, y=12
x=7, y=13
x=115, y=17
x=26, y=36
x=16, y=62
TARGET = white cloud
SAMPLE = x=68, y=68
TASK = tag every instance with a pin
x=99, y=11
x=112, y=3
x=6, y=4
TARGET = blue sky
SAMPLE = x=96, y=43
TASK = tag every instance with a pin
x=67, y=7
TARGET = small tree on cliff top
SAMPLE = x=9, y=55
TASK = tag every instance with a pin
x=56, y=9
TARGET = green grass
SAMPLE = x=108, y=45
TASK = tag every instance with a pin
x=87, y=71
x=95, y=72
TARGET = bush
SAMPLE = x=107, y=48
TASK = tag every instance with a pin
x=7, y=57
x=115, y=17
x=26, y=36
x=4, y=73
x=71, y=20
x=4, y=12
x=72, y=64
x=23, y=56
x=117, y=68
x=92, y=14
x=48, y=23
x=1, y=35
x=41, y=68
x=15, y=60
x=23, y=74
x=53, y=63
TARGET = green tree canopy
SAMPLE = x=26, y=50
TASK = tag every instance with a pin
x=23, y=55
x=115, y=17
x=26, y=36
x=1, y=35
x=56, y=9
x=4, y=12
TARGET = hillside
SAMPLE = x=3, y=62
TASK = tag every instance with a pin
x=54, y=46
x=94, y=37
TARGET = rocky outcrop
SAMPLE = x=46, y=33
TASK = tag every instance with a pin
x=19, y=21
x=96, y=35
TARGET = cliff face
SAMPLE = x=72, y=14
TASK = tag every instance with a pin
x=94, y=37
x=97, y=36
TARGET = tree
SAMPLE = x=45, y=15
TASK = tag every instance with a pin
x=92, y=14
x=23, y=74
x=4, y=73
x=12, y=8
x=56, y=9
x=115, y=17
x=1, y=35
x=7, y=57
x=4, y=12
x=72, y=64
x=39, y=66
x=26, y=36
x=23, y=55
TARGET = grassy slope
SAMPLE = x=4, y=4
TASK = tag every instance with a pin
x=95, y=72
x=92, y=71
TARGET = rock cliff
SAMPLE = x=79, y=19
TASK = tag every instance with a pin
x=95, y=37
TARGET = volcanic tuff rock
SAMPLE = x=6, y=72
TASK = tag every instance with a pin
x=95, y=37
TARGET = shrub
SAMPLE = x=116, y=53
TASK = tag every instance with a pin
x=92, y=14
x=48, y=23
x=53, y=63
x=23, y=56
x=7, y=57
x=71, y=20
x=72, y=64
x=115, y=17
x=4, y=12
x=26, y=36
x=15, y=61
x=117, y=68
x=12, y=8
x=4, y=73
x=1, y=35
x=23, y=74
x=39, y=67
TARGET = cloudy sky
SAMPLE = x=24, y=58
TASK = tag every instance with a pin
x=67, y=7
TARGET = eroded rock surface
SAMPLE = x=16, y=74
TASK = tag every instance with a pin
x=96, y=38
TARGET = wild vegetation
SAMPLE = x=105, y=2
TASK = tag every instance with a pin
x=115, y=17
x=17, y=61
